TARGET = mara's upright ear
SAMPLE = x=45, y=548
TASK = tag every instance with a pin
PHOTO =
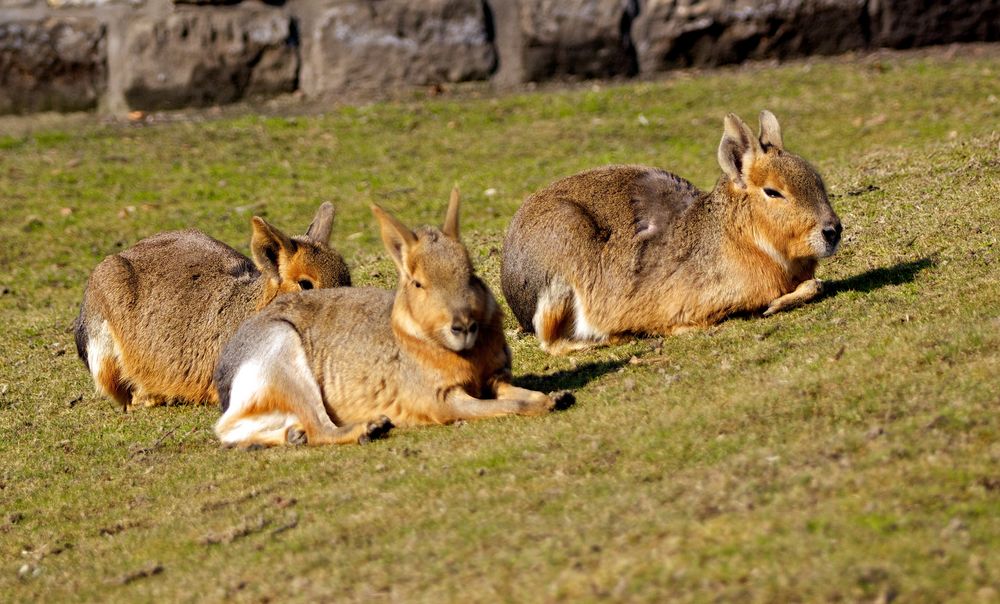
x=770, y=131
x=396, y=237
x=266, y=245
x=737, y=150
x=451, y=218
x=322, y=224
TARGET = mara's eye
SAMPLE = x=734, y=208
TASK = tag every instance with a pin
x=417, y=284
x=306, y=284
x=773, y=194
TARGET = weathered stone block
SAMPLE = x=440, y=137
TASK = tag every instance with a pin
x=91, y=3
x=682, y=33
x=51, y=64
x=366, y=45
x=209, y=56
x=911, y=23
x=543, y=39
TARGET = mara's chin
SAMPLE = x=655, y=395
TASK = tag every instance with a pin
x=459, y=343
x=822, y=247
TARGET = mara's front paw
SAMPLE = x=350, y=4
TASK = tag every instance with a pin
x=375, y=429
x=537, y=404
x=774, y=307
x=806, y=291
x=296, y=436
x=562, y=399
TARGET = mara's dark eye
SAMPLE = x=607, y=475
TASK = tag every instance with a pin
x=773, y=194
x=306, y=284
x=417, y=284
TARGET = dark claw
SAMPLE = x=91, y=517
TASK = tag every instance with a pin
x=564, y=399
x=376, y=429
x=295, y=436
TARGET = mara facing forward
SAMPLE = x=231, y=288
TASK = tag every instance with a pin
x=635, y=250
x=341, y=366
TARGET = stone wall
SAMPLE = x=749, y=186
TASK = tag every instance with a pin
x=156, y=54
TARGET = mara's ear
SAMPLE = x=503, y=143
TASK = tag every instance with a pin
x=266, y=245
x=451, y=218
x=770, y=131
x=737, y=150
x=322, y=224
x=396, y=237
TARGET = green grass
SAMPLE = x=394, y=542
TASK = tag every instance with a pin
x=848, y=450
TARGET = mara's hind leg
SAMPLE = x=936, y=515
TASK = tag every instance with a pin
x=273, y=397
x=361, y=432
x=104, y=362
x=560, y=321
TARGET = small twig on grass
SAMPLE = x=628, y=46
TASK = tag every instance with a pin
x=149, y=570
x=187, y=434
x=292, y=522
x=237, y=532
x=152, y=447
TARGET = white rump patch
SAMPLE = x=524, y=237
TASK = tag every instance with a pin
x=278, y=363
x=583, y=329
x=250, y=379
x=100, y=345
x=559, y=293
x=556, y=294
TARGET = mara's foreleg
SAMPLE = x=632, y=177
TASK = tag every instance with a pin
x=806, y=291
x=274, y=399
x=510, y=400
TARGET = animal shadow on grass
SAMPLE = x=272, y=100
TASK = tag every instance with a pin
x=902, y=272
x=568, y=380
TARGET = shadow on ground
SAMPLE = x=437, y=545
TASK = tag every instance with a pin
x=902, y=272
x=569, y=379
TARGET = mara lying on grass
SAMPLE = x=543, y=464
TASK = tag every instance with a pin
x=635, y=250
x=155, y=316
x=342, y=366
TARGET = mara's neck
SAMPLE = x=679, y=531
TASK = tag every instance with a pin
x=743, y=237
x=468, y=369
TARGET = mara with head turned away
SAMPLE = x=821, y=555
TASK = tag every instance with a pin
x=625, y=250
x=155, y=316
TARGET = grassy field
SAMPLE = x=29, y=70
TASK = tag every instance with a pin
x=845, y=451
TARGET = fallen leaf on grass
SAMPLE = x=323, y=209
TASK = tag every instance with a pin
x=140, y=450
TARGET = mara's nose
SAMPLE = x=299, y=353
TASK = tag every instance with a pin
x=832, y=233
x=461, y=328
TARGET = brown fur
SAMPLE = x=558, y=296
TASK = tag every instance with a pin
x=642, y=251
x=433, y=352
x=155, y=316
